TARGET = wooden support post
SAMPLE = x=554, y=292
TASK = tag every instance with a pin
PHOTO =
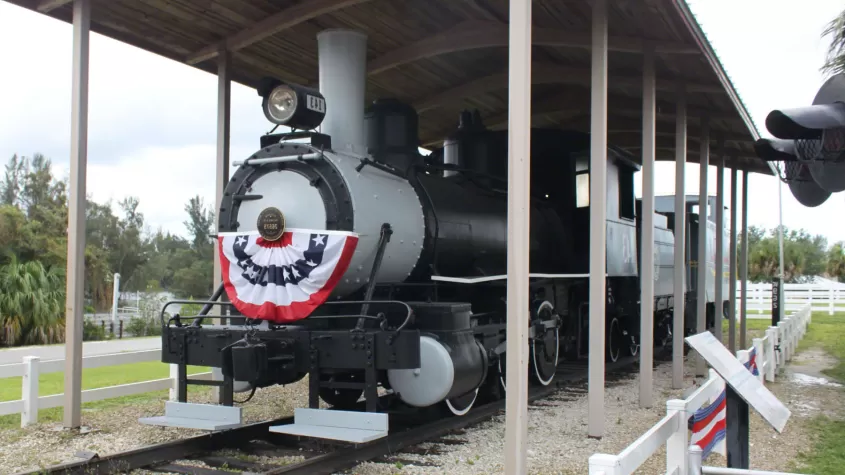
x=519, y=186
x=678, y=324
x=743, y=262
x=76, y=216
x=718, y=306
x=598, y=214
x=732, y=315
x=647, y=240
x=701, y=259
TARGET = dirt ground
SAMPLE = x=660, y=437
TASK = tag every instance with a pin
x=554, y=449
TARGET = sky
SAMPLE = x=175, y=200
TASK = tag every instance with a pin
x=152, y=121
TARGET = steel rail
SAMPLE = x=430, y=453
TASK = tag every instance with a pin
x=161, y=457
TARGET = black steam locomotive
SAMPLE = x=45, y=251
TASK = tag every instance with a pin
x=420, y=309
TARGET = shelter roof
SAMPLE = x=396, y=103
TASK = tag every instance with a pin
x=443, y=56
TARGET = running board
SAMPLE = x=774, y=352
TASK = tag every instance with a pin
x=197, y=416
x=347, y=426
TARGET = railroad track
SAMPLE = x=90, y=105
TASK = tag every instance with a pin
x=244, y=445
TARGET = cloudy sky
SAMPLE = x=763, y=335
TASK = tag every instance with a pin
x=152, y=120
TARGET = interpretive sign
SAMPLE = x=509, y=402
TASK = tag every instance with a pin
x=737, y=376
x=777, y=285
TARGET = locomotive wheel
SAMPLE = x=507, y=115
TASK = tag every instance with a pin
x=503, y=380
x=614, y=340
x=633, y=347
x=544, y=357
x=342, y=398
x=461, y=405
x=545, y=348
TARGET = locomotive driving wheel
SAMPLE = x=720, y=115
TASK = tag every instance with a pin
x=614, y=339
x=460, y=405
x=545, y=345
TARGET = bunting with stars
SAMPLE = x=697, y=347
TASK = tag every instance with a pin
x=285, y=280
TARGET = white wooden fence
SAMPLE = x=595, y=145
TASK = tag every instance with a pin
x=32, y=366
x=828, y=297
x=672, y=430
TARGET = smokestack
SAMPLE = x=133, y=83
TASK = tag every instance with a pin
x=342, y=56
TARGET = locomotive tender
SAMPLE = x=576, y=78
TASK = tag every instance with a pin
x=419, y=309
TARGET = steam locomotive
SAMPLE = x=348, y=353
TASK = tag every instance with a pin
x=419, y=307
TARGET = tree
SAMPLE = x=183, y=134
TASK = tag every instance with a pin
x=803, y=255
x=31, y=304
x=199, y=224
x=835, y=62
x=10, y=188
x=836, y=261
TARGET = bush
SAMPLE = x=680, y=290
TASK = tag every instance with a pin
x=93, y=331
x=143, y=326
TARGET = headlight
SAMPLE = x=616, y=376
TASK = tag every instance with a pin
x=281, y=104
x=295, y=106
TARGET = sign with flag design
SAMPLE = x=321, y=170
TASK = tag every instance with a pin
x=709, y=426
x=284, y=280
x=751, y=364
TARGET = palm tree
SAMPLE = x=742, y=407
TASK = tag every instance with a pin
x=31, y=304
x=836, y=261
x=835, y=63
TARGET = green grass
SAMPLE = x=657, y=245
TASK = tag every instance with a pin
x=827, y=455
x=754, y=328
x=828, y=333
x=53, y=383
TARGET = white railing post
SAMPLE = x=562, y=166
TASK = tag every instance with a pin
x=605, y=464
x=762, y=357
x=830, y=293
x=771, y=356
x=787, y=340
x=29, y=391
x=676, y=446
x=793, y=336
x=760, y=294
x=695, y=461
x=174, y=377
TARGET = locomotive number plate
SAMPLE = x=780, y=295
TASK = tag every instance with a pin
x=271, y=224
x=316, y=104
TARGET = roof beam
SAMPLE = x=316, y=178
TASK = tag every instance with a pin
x=547, y=73
x=577, y=101
x=474, y=34
x=289, y=17
x=46, y=6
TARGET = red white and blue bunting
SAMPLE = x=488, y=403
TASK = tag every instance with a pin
x=285, y=280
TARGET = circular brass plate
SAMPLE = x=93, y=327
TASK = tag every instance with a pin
x=271, y=224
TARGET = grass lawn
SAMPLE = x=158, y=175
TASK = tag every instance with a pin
x=754, y=328
x=53, y=383
x=828, y=456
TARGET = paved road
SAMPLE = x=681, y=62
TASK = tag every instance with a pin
x=92, y=348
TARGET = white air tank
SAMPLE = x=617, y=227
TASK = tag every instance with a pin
x=343, y=77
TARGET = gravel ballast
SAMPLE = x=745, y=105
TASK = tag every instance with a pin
x=557, y=442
